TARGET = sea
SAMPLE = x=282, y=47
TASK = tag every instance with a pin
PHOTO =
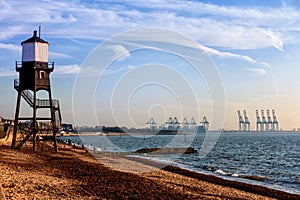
x=270, y=159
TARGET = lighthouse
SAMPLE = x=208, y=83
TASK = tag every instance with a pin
x=34, y=76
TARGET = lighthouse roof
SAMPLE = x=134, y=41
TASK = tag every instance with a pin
x=34, y=38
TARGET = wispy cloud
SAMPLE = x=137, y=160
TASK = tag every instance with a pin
x=210, y=24
x=10, y=47
x=58, y=55
x=110, y=71
x=10, y=30
x=67, y=69
x=120, y=50
x=82, y=71
x=227, y=55
x=7, y=73
x=258, y=71
x=161, y=39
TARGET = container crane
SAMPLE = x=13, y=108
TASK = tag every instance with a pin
x=247, y=122
x=258, y=122
x=205, y=123
x=193, y=124
x=275, y=122
x=170, y=123
x=270, y=122
x=241, y=121
x=152, y=124
x=176, y=123
x=185, y=124
x=264, y=121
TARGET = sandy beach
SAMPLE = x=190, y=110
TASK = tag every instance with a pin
x=74, y=173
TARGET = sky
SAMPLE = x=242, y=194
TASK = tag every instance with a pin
x=250, y=50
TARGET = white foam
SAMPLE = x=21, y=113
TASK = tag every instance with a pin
x=221, y=172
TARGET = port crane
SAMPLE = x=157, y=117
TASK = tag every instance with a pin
x=185, y=124
x=193, y=123
x=270, y=122
x=170, y=123
x=205, y=123
x=258, y=122
x=264, y=121
x=275, y=122
x=152, y=124
x=176, y=123
x=246, y=122
x=241, y=121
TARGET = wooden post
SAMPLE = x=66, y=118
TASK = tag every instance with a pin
x=54, y=141
x=34, y=122
x=16, y=121
x=53, y=122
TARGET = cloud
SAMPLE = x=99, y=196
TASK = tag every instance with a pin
x=9, y=31
x=7, y=73
x=258, y=71
x=220, y=54
x=226, y=26
x=120, y=50
x=67, y=69
x=117, y=70
x=58, y=55
x=159, y=42
x=81, y=71
x=276, y=41
x=11, y=47
x=212, y=25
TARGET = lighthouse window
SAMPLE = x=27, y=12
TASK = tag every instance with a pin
x=42, y=74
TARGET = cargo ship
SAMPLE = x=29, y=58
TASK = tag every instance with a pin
x=173, y=126
x=168, y=131
x=161, y=131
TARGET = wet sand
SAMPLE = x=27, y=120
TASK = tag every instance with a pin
x=74, y=173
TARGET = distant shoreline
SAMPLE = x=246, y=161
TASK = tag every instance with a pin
x=147, y=134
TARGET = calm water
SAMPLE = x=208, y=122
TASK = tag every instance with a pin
x=273, y=156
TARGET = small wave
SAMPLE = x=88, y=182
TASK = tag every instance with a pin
x=221, y=172
x=254, y=177
x=209, y=168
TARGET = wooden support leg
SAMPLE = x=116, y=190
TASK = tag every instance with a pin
x=34, y=141
x=13, y=143
x=54, y=141
x=34, y=121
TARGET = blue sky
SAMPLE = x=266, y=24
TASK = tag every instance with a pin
x=253, y=44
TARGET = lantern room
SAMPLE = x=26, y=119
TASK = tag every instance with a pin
x=34, y=49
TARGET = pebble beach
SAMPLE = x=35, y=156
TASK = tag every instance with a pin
x=75, y=173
